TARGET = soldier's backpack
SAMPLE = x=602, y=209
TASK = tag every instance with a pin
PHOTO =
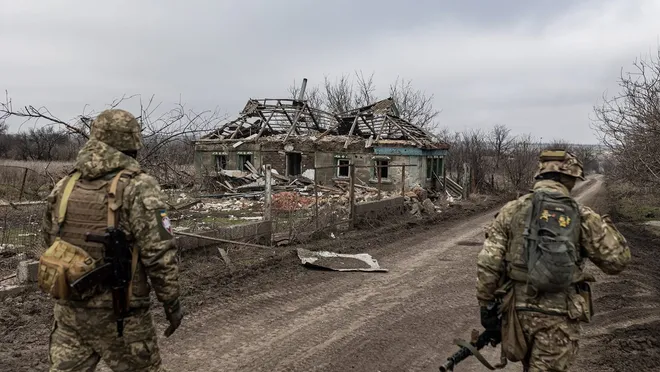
x=63, y=263
x=551, y=236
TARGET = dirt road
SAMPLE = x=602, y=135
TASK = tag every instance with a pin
x=282, y=317
x=403, y=320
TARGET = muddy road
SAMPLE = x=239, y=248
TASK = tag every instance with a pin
x=403, y=320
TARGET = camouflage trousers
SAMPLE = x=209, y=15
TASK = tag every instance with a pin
x=82, y=337
x=552, y=341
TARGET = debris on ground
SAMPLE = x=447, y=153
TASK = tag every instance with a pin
x=339, y=261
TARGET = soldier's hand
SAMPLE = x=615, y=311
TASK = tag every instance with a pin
x=174, y=315
x=489, y=317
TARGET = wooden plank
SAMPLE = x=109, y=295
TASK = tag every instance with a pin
x=251, y=168
x=8, y=277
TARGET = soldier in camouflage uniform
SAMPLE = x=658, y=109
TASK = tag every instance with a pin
x=549, y=323
x=84, y=331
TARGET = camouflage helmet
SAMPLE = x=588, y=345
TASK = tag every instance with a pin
x=117, y=128
x=560, y=161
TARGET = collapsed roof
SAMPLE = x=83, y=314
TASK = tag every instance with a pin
x=378, y=122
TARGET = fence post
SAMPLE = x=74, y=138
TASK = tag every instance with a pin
x=268, y=194
x=403, y=180
x=20, y=195
x=351, y=193
x=316, y=200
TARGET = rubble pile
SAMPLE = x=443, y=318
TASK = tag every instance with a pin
x=290, y=201
x=245, y=192
x=225, y=205
x=419, y=204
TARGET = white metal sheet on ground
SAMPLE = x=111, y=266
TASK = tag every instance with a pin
x=339, y=261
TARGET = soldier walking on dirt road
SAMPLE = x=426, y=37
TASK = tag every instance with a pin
x=100, y=281
x=531, y=267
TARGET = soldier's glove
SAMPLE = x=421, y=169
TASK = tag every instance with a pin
x=490, y=319
x=174, y=315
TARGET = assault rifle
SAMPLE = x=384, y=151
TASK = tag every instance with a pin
x=115, y=272
x=478, y=342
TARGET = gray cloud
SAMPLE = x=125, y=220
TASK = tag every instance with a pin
x=536, y=66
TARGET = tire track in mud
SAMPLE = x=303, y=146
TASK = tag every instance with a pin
x=403, y=320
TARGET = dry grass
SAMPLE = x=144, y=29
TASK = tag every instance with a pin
x=633, y=203
x=29, y=180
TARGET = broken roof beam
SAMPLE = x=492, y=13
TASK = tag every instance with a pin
x=380, y=132
x=368, y=126
x=404, y=131
x=238, y=125
x=295, y=121
x=264, y=124
x=350, y=133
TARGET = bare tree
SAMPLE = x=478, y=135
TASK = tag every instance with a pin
x=521, y=162
x=500, y=141
x=344, y=94
x=629, y=122
x=414, y=105
x=4, y=139
x=163, y=131
x=39, y=143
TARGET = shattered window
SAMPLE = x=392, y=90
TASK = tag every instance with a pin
x=382, y=166
x=242, y=159
x=342, y=169
x=433, y=165
x=220, y=162
x=429, y=168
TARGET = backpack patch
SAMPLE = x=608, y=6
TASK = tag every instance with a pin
x=551, y=242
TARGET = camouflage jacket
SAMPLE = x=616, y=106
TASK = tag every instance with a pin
x=600, y=242
x=141, y=216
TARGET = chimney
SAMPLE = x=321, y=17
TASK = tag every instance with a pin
x=302, y=89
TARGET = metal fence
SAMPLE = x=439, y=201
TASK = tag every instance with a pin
x=327, y=201
x=22, y=190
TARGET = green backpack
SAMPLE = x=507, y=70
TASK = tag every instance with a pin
x=551, y=236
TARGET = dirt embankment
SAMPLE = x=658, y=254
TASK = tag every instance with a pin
x=625, y=332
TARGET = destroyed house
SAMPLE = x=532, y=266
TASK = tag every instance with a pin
x=294, y=138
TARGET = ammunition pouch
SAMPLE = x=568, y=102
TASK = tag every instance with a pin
x=514, y=345
x=580, y=304
x=61, y=265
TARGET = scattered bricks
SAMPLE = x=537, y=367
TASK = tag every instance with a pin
x=27, y=271
x=421, y=193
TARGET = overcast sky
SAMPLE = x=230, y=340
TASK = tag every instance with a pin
x=537, y=66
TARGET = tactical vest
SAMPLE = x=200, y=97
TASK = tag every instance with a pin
x=88, y=211
x=84, y=206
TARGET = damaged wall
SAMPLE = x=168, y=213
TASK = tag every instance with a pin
x=306, y=154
